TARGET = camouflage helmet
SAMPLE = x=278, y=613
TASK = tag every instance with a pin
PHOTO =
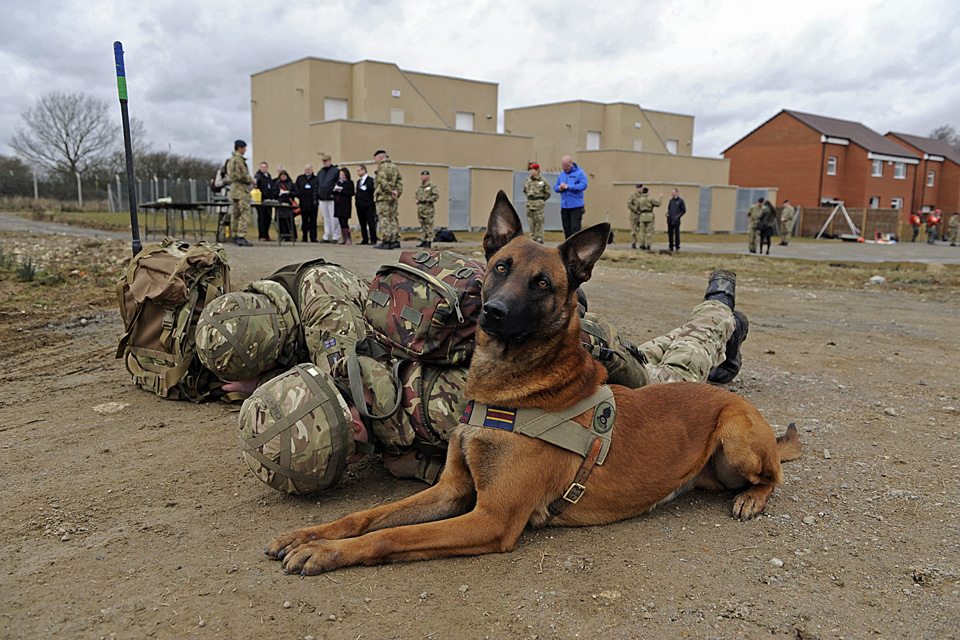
x=297, y=431
x=241, y=334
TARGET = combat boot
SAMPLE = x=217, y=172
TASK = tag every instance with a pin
x=634, y=245
x=722, y=287
x=727, y=370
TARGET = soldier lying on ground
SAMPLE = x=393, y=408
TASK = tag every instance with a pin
x=301, y=429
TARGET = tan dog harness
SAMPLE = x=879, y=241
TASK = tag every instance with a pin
x=560, y=430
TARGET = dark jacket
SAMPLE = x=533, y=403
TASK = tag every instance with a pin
x=280, y=186
x=307, y=191
x=343, y=201
x=265, y=184
x=675, y=210
x=365, y=195
x=326, y=178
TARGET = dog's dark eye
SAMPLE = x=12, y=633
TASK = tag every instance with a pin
x=543, y=283
x=501, y=268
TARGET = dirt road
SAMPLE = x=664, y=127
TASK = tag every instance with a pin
x=147, y=523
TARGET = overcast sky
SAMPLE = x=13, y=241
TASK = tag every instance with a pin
x=730, y=63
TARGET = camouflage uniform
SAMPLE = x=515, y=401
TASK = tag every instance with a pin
x=416, y=439
x=427, y=194
x=753, y=230
x=954, y=228
x=388, y=179
x=787, y=217
x=646, y=205
x=633, y=204
x=240, y=182
x=537, y=192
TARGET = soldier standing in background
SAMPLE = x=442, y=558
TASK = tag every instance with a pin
x=787, y=216
x=537, y=192
x=753, y=230
x=633, y=204
x=387, y=187
x=427, y=194
x=647, y=204
x=954, y=229
x=240, y=184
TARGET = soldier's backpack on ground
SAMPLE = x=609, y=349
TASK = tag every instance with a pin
x=425, y=307
x=161, y=296
x=444, y=235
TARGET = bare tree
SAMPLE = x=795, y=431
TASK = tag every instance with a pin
x=66, y=133
x=947, y=133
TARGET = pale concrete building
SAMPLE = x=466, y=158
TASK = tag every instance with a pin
x=449, y=126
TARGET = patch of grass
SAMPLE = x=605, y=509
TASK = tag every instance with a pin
x=26, y=270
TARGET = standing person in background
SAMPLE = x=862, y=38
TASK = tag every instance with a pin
x=933, y=226
x=285, y=190
x=537, y=192
x=387, y=187
x=675, y=210
x=787, y=216
x=240, y=184
x=427, y=194
x=954, y=229
x=753, y=230
x=366, y=208
x=343, y=203
x=916, y=222
x=326, y=178
x=307, y=192
x=768, y=218
x=265, y=184
x=570, y=184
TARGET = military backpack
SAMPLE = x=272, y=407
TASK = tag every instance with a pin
x=426, y=306
x=161, y=295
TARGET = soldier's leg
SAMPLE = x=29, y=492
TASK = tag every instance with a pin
x=393, y=221
x=431, y=211
x=690, y=352
x=241, y=218
x=635, y=230
x=538, y=224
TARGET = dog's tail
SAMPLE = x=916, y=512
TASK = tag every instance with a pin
x=789, y=444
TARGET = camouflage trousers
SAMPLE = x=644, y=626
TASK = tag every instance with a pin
x=688, y=353
x=425, y=214
x=646, y=233
x=955, y=235
x=535, y=219
x=786, y=230
x=753, y=237
x=635, y=229
x=389, y=220
x=240, y=218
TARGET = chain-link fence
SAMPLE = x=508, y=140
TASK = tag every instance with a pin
x=177, y=189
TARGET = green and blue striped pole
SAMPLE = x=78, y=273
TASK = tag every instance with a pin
x=127, y=146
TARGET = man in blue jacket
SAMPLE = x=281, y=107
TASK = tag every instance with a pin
x=571, y=183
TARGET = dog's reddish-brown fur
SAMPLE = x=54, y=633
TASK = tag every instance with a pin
x=667, y=439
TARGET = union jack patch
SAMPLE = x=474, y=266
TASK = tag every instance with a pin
x=500, y=418
x=329, y=343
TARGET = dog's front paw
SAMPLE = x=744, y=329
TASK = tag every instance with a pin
x=283, y=544
x=313, y=558
x=748, y=505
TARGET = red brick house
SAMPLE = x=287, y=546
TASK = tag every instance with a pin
x=937, y=185
x=813, y=160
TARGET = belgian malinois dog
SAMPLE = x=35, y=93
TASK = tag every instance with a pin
x=667, y=438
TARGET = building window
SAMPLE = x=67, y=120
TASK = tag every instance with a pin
x=896, y=203
x=877, y=168
x=593, y=140
x=672, y=146
x=464, y=121
x=396, y=116
x=334, y=109
x=931, y=175
x=638, y=145
x=875, y=202
x=832, y=166
x=900, y=170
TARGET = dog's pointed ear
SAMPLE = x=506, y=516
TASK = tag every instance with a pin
x=581, y=251
x=503, y=226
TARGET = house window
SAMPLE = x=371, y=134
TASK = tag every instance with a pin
x=593, y=140
x=875, y=202
x=672, y=146
x=396, y=116
x=334, y=109
x=638, y=145
x=931, y=175
x=832, y=166
x=877, y=168
x=896, y=203
x=900, y=170
x=464, y=121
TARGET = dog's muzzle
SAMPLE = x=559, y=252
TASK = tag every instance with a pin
x=496, y=321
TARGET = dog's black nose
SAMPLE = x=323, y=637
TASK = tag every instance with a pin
x=494, y=311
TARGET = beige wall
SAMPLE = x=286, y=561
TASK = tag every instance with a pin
x=484, y=184
x=676, y=126
x=723, y=208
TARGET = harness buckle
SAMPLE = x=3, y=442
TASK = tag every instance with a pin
x=574, y=493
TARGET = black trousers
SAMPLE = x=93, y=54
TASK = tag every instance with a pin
x=264, y=215
x=571, y=220
x=673, y=235
x=367, y=217
x=308, y=223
